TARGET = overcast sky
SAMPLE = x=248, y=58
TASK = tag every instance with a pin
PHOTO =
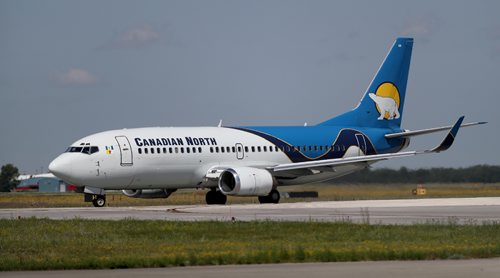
x=72, y=68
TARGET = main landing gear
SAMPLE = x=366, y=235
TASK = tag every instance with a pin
x=215, y=197
x=272, y=198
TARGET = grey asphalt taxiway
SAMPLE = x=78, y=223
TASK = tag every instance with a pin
x=412, y=211
x=408, y=269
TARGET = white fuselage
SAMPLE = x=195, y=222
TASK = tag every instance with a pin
x=146, y=158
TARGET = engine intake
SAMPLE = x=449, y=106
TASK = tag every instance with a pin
x=246, y=181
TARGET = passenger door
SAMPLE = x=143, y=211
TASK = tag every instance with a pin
x=126, y=158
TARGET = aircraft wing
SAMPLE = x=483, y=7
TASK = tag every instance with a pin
x=331, y=163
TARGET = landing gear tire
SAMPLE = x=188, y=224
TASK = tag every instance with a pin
x=215, y=197
x=99, y=201
x=272, y=198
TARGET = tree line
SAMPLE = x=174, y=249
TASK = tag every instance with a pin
x=478, y=173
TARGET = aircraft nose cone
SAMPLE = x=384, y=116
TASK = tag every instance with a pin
x=61, y=168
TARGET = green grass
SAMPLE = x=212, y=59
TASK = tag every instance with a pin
x=327, y=192
x=29, y=244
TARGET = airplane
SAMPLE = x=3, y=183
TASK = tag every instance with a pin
x=254, y=161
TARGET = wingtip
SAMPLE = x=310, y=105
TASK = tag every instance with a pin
x=450, y=137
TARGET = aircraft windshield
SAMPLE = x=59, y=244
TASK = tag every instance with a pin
x=86, y=149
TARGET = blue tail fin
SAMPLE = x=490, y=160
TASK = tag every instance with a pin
x=383, y=102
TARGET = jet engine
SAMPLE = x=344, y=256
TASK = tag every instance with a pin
x=246, y=181
x=148, y=193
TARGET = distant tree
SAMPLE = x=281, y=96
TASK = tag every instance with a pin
x=478, y=173
x=8, y=177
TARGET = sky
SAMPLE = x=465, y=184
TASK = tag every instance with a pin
x=73, y=68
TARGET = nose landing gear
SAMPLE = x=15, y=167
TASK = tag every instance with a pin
x=95, y=195
x=97, y=200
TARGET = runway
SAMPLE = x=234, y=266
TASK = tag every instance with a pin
x=408, y=269
x=412, y=211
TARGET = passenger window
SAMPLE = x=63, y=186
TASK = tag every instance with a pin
x=246, y=149
x=152, y=150
x=182, y=149
x=270, y=148
x=228, y=149
x=211, y=149
x=320, y=148
x=234, y=149
x=199, y=149
x=176, y=150
x=164, y=150
x=170, y=150
x=187, y=150
x=194, y=150
x=146, y=150
x=239, y=148
x=275, y=148
x=315, y=148
x=222, y=149
x=139, y=150
x=264, y=148
x=258, y=149
x=158, y=150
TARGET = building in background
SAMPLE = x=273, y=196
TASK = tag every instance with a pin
x=43, y=183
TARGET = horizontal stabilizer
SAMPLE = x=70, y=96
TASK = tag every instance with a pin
x=427, y=131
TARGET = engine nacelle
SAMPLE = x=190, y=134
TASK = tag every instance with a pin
x=246, y=181
x=148, y=193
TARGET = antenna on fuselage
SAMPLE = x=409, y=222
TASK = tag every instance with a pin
x=305, y=124
x=220, y=124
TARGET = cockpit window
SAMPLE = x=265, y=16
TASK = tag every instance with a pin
x=86, y=149
x=75, y=149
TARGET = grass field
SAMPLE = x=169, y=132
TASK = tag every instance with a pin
x=326, y=193
x=30, y=244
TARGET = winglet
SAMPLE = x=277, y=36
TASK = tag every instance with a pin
x=450, y=137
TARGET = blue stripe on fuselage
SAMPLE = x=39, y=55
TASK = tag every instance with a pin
x=291, y=137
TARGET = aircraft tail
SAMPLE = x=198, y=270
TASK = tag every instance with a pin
x=383, y=102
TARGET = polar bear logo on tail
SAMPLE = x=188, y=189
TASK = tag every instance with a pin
x=387, y=107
